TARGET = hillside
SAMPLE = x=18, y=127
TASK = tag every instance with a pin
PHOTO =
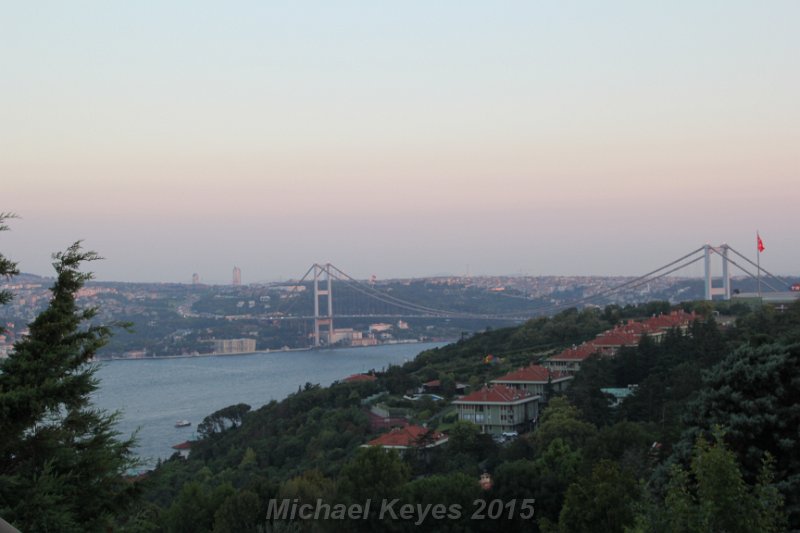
x=308, y=446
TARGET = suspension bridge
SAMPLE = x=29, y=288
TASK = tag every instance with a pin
x=321, y=277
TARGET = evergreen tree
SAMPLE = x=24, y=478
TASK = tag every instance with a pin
x=753, y=395
x=7, y=267
x=61, y=465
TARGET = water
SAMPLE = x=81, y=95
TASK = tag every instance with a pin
x=153, y=394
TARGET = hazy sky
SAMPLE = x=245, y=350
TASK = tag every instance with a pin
x=398, y=139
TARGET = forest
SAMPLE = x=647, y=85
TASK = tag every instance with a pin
x=706, y=443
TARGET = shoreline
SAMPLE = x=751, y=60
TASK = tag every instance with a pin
x=264, y=352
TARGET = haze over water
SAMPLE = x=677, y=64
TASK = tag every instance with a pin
x=153, y=394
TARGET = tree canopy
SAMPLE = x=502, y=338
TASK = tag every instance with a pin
x=62, y=465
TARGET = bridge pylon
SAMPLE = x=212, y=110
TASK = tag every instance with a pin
x=323, y=272
x=710, y=290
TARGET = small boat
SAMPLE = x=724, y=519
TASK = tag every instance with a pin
x=182, y=423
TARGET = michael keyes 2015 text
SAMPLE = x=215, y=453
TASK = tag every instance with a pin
x=392, y=509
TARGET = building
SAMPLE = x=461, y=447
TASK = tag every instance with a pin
x=357, y=378
x=618, y=394
x=226, y=346
x=404, y=438
x=289, y=288
x=237, y=276
x=500, y=409
x=676, y=319
x=570, y=360
x=351, y=337
x=183, y=449
x=608, y=343
x=534, y=379
x=435, y=386
x=779, y=300
x=195, y=279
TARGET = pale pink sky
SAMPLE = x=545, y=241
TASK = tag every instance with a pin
x=400, y=141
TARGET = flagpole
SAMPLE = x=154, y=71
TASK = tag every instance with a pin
x=758, y=256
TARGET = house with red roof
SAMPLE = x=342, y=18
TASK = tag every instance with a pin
x=434, y=385
x=569, y=361
x=534, y=379
x=355, y=378
x=499, y=409
x=640, y=329
x=676, y=319
x=610, y=342
x=637, y=328
x=407, y=437
x=183, y=448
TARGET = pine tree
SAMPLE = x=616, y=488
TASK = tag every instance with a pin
x=62, y=465
x=7, y=268
x=753, y=395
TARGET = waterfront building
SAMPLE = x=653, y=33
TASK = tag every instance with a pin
x=227, y=346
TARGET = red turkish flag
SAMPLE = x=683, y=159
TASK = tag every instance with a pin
x=759, y=243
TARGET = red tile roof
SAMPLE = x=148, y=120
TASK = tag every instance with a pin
x=673, y=320
x=408, y=437
x=532, y=374
x=496, y=394
x=186, y=445
x=627, y=334
x=576, y=353
x=359, y=377
x=636, y=328
x=433, y=383
x=616, y=338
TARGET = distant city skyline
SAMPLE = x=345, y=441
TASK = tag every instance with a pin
x=398, y=141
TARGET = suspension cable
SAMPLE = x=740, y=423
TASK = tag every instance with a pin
x=737, y=265
x=601, y=294
x=369, y=291
x=293, y=301
x=633, y=283
x=773, y=276
x=391, y=300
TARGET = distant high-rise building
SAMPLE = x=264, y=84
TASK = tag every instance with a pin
x=237, y=275
x=195, y=278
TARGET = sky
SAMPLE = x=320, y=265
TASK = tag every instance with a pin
x=398, y=139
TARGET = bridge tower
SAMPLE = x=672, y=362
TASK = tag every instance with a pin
x=326, y=319
x=710, y=290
